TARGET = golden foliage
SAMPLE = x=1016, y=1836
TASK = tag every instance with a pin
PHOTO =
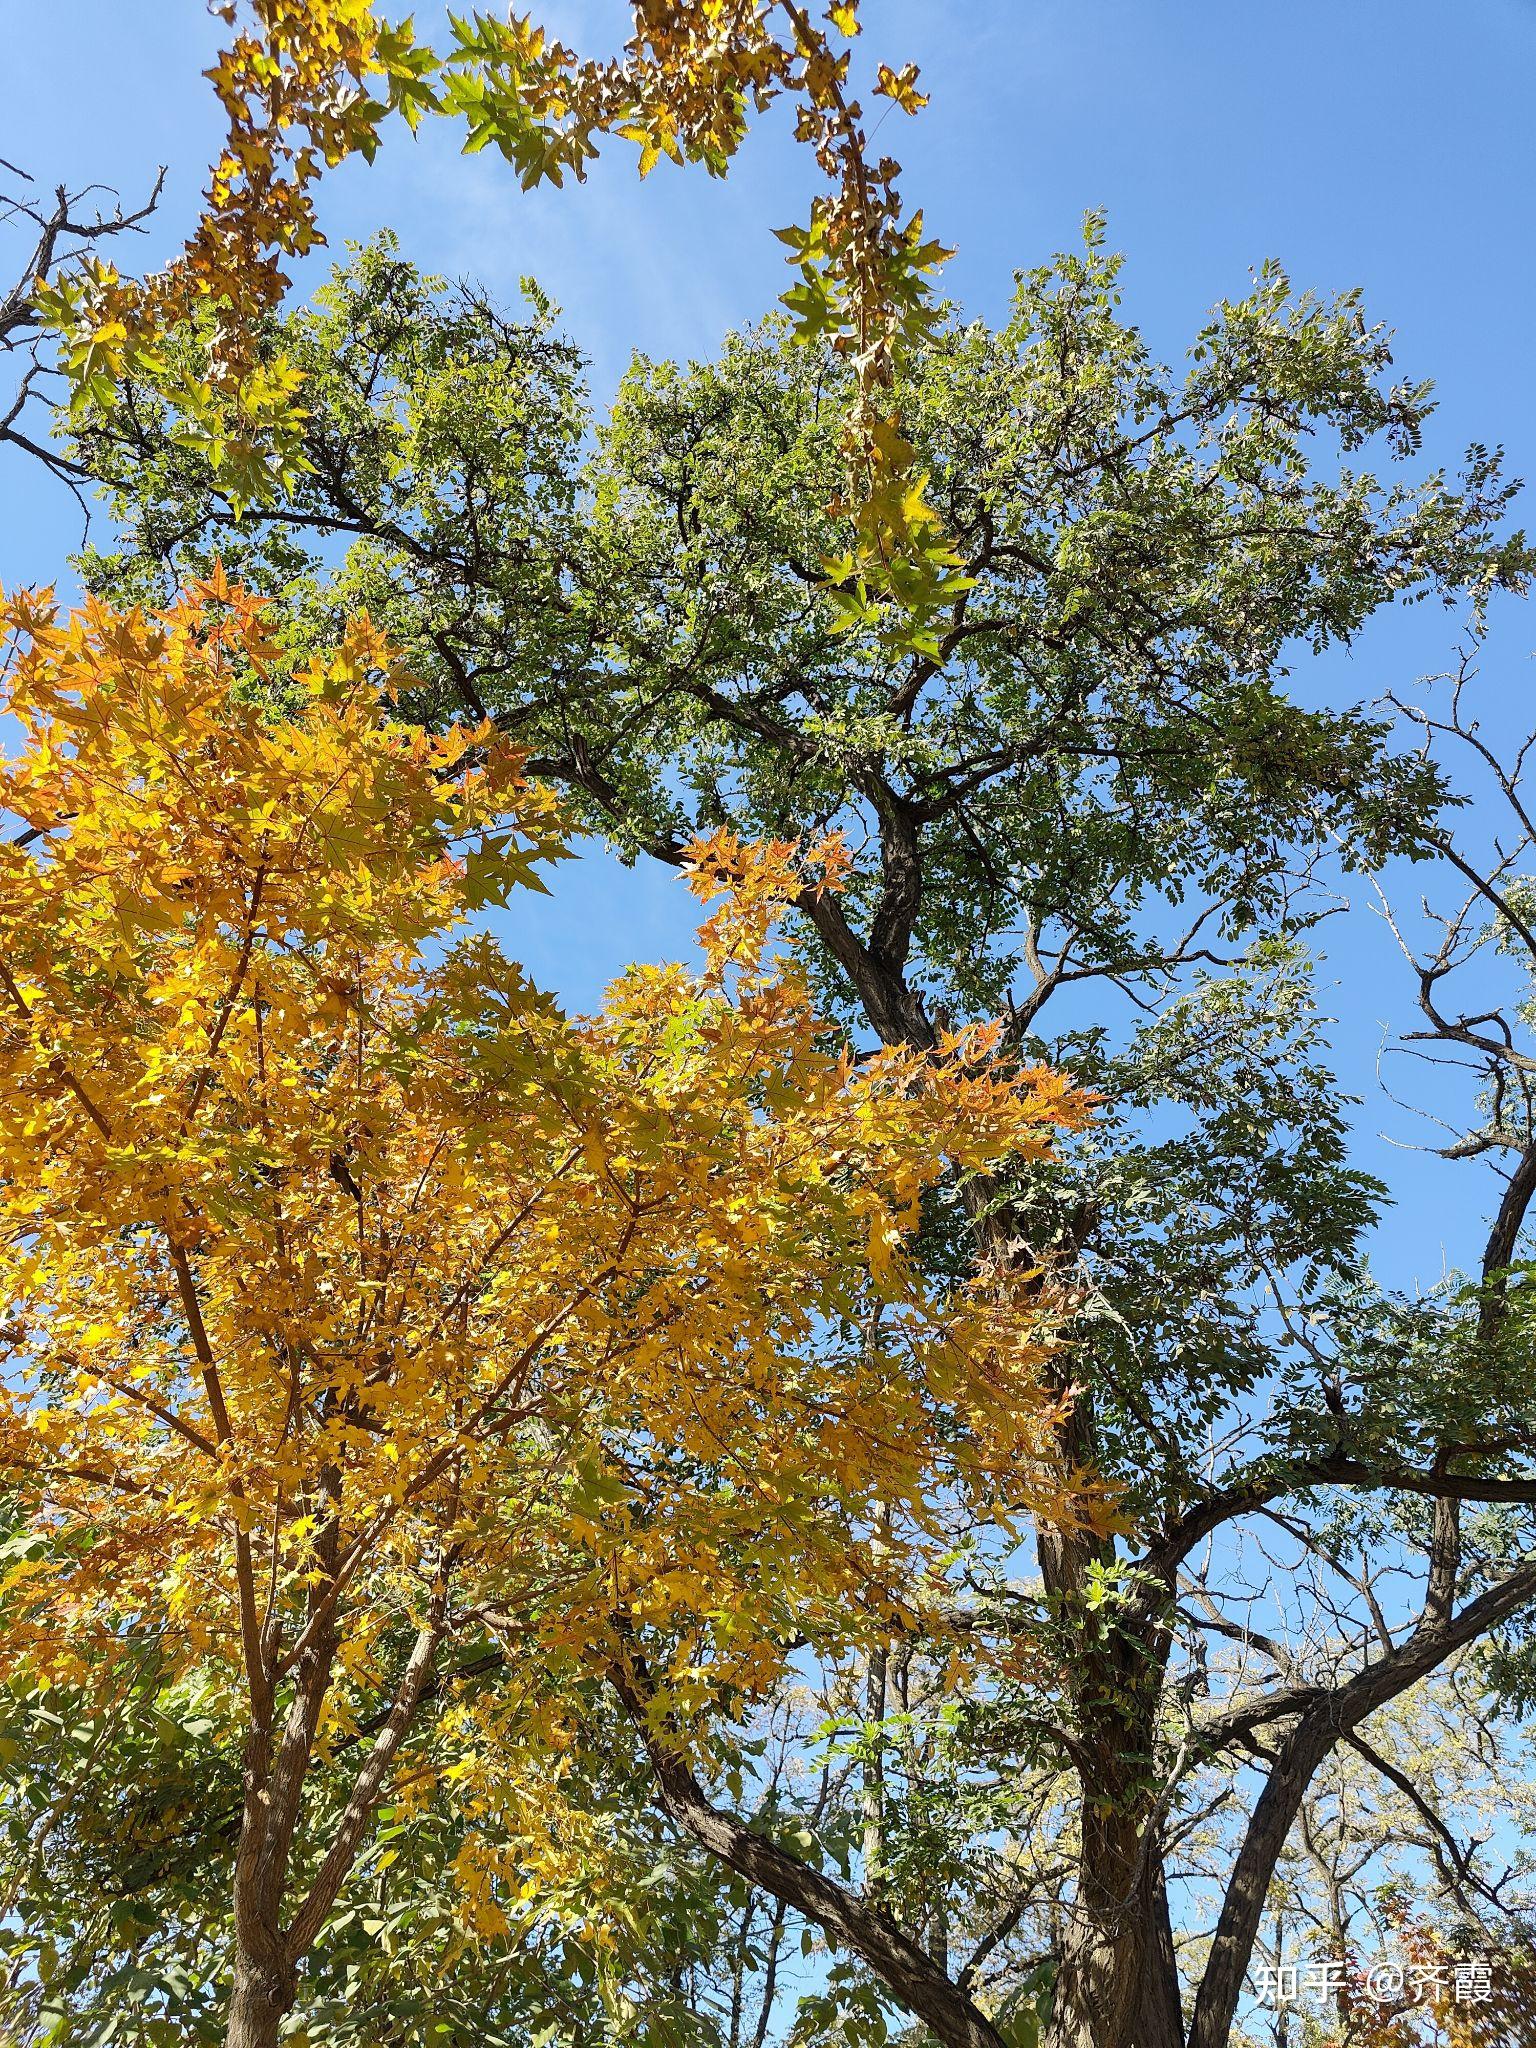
x=350, y=1283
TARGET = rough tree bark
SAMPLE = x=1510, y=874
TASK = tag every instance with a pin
x=261, y=2000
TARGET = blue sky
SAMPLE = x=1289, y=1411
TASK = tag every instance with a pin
x=1380, y=143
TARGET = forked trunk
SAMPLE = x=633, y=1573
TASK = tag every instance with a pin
x=1118, y=1983
x=261, y=2001
x=1098, y=1979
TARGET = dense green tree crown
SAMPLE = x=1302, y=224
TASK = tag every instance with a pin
x=1099, y=803
x=1144, y=554
x=1095, y=792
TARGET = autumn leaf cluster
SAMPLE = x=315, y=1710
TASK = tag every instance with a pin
x=343, y=1269
x=304, y=84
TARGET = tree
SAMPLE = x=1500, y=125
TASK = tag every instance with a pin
x=1094, y=809
x=362, y=1308
x=298, y=86
x=119, y=1818
x=1397, y=1862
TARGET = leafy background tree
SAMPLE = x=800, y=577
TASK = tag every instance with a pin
x=1129, y=666
x=1095, y=784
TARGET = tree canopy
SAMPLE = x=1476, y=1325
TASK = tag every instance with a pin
x=899, y=1446
x=359, y=1304
x=1096, y=808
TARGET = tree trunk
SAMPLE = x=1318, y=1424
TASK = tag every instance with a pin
x=261, y=2001
x=1118, y=1982
x=1113, y=1987
x=1098, y=1978
x=1159, y=2008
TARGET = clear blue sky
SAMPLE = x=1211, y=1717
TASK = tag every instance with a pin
x=1384, y=143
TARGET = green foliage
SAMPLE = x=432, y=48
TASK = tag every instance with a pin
x=118, y=1821
x=1096, y=791
x=111, y=1811
x=1092, y=803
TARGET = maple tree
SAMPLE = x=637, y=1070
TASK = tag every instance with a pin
x=361, y=1305
x=1103, y=813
